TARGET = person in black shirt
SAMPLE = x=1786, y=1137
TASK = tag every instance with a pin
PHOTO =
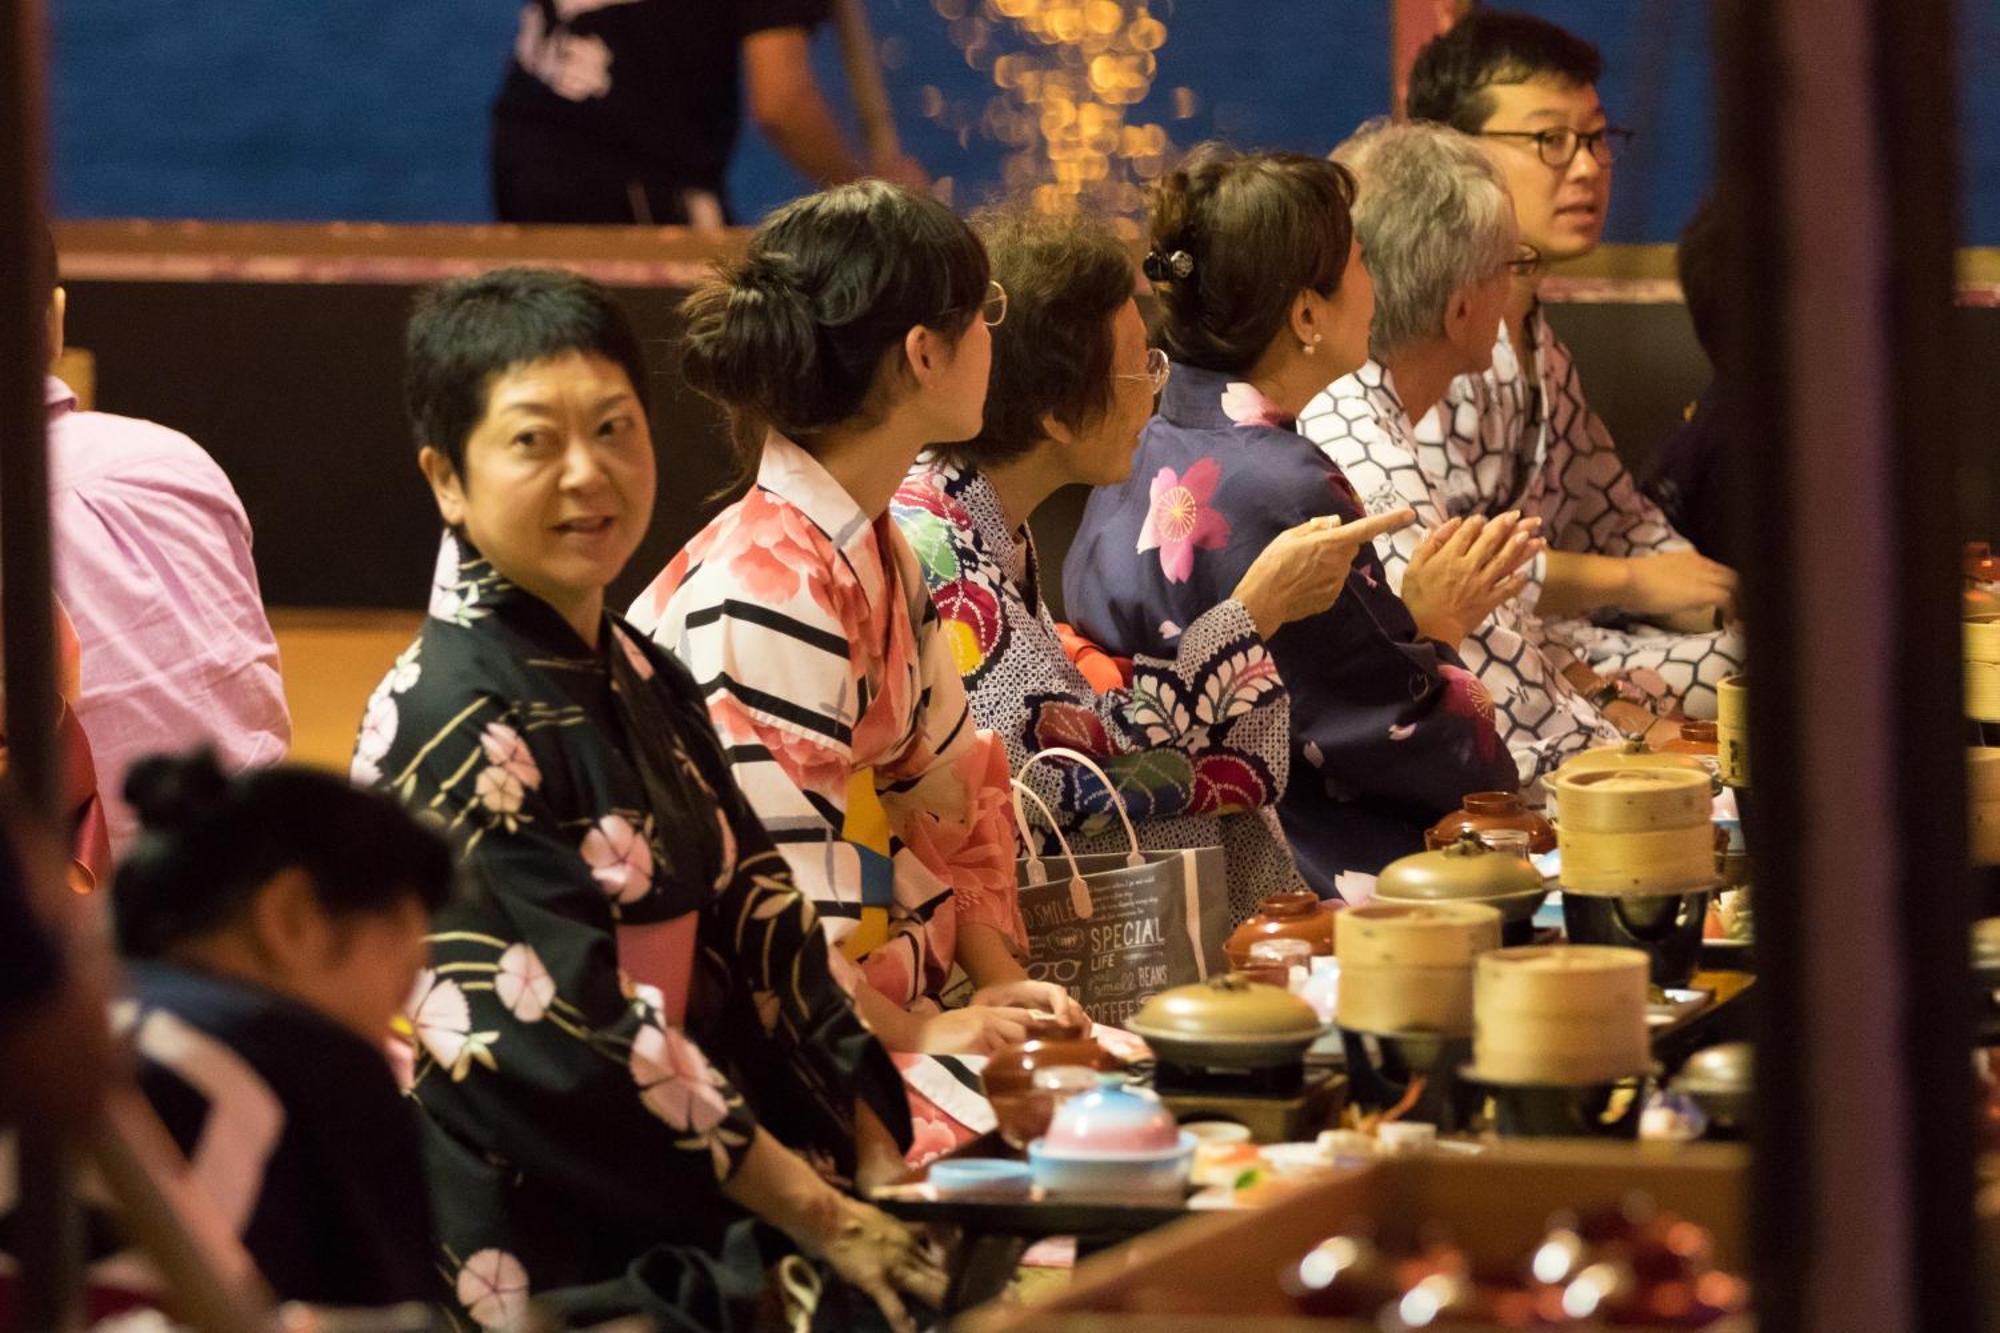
x=1689, y=475
x=626, y=111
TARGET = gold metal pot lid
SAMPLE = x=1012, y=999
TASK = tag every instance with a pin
x=1468, y=871
x=1729, y=1067
x=1228, y=1007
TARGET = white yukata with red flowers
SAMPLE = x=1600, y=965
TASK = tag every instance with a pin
x=810, y=630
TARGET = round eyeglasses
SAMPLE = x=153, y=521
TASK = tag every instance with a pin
x=994, y=308
x=1156, y=371
x=1527, y=261
x=1558, y=148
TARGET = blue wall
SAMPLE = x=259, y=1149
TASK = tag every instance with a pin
x=375, y=109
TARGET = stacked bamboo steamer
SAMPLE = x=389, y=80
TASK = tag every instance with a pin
x=1983, y=791
x=1565, y=1015
x=1633, y=831
x=1408, y=969
x=1732, y=731
x=1982, y=668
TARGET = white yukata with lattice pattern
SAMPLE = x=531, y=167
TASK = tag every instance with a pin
x=1498, y=441
x=1360, y=425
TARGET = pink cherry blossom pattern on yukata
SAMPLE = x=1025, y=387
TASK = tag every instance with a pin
x=1245, y=406
x=675, y=1081
x=1181, y=520
x=523, y=983
x=493, y=1287
x=511, y=771
x=635, y=656
x=929, y=1140
x=620, y=859
x=441, y=1017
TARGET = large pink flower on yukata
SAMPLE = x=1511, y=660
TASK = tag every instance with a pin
x=675, y=1081
x=620, y=858
x=493, y=1288
x=1181, y=519
x=768, y=549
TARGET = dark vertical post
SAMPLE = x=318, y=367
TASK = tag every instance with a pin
x=47, y=1220
x=1837, y=151
x=1915, y=80
x=1750, y=193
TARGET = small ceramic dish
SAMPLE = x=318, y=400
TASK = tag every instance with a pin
x=1161, y=1173
x=988, y=1177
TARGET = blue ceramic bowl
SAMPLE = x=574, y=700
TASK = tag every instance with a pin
x=985, y=1176
x=1113, y=1174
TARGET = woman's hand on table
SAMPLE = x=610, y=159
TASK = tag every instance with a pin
x=863, y=1245
x=1301, y=572
x=1043, y=995
x=868, y=1249
x=1465, y=568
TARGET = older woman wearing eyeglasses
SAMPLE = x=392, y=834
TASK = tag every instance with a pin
x=1196, y=743
x=1438, y=234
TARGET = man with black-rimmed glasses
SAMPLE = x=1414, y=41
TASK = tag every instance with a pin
x=1627, y=592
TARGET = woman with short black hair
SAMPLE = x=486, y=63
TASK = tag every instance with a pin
x=1265, y=301
x=1197, y=743
x=630, y=1046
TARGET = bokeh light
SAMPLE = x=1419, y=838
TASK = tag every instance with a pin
x=1066, y=73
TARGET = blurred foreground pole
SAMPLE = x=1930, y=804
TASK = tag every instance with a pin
x=48, y=1223
x=1836, y=148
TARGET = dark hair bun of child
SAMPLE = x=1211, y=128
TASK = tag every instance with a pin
x=173, y=793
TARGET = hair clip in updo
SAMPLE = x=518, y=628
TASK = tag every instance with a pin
x=1162, y=268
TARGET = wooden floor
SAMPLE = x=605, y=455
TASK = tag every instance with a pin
x=332, y=660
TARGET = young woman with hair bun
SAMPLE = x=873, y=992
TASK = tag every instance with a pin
x=854, y=335
x=1266, y=301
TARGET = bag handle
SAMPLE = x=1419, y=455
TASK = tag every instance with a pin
x=1079, y=892
x=1135, y=857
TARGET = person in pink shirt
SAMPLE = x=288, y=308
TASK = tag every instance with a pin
x=152, y=560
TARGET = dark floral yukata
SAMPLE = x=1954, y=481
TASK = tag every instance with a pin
x=577, y=1124
x=1198, y=745
x=1388, y=728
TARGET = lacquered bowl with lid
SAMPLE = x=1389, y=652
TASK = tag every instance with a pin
x=1480, y=811
x=1296, y=914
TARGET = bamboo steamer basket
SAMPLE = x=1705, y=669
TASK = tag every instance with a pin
x=1567, y=1015
x=1732, y=730
x=1406, y=969
x=1982, y=668
x=1636, y=831
x=1983, y=793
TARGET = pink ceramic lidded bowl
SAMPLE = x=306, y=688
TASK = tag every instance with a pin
x=1112, y=1119
x=1113, y=1141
